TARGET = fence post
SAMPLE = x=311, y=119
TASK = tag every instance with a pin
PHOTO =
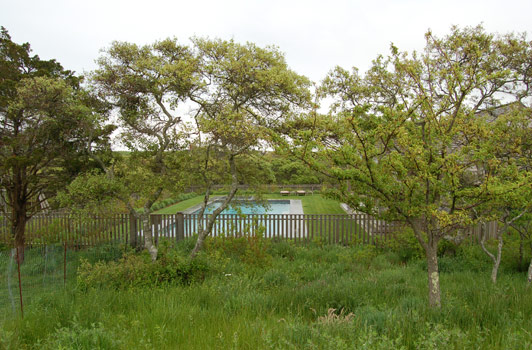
x=133, y=230
x=64, y=265
x=180, y=226
x=20, y=283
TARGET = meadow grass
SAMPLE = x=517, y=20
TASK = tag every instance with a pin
x=288, y=297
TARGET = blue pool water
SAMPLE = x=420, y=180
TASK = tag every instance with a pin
x=251, y=207
x=243, y=224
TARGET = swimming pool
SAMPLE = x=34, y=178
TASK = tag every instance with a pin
x=251, y=207
x=243, y=217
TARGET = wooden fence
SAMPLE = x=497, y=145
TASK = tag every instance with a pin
x=268, y=187
x=300, y=228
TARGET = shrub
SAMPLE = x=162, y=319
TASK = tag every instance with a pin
x=250, y=249
x=447, y=248
x=405, y=244
x=283, y=249
x=169, y=201
x=515, y=258
x=135, y=270
x=473, y=257
x=96, y=336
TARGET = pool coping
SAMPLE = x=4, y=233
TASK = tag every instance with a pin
x=296, y=206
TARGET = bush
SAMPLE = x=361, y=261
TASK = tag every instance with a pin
x=250, y=249
x=405, y=245
x=361, y=255
x=473, y=257
x=514, y=257
x=170, y=201
x=136, y=270
x=282, y=249
x=447, y=248
x=96, y=336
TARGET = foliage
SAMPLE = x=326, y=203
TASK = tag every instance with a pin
x=136, y=270
x=92, y=193
x=250, y=249
x=43, y=117
x=74, y=336
x=170, y=201
x=244, y=92
x=285, y=305
x=414, y=139
x=405, y=244
x=292, y=171
x=283, y=249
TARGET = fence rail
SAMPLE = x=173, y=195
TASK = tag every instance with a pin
x=300, y=228
x=270, y=187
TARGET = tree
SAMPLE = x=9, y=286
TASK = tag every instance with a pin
x=292, y=171
x=402, y=142
x=146, y=85
x=510, y=190
x=42, y=112
x=245, y=92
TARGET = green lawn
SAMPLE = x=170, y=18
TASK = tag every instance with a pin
x=312, y=204
x=174, y=208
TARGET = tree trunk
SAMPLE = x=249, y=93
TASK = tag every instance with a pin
x=434, y=275
x=497, y=262
x=430, y=245
x=495, y=258
x=212, y=218
x=19, y=231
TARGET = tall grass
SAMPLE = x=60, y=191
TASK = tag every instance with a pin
x=290, y=297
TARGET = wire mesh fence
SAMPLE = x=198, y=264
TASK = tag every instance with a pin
x=40, y=270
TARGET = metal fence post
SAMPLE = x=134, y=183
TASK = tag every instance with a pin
x=20, y=283
x=64, y=265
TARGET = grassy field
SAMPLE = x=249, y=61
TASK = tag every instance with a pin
x=316, y=297
x=312, y=204
x=172, y=209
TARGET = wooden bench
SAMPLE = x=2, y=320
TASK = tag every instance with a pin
x=301, y=193
x=285, y=193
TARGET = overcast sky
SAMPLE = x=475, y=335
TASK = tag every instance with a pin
x=314, y=35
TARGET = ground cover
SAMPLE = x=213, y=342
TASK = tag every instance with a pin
x=290, y=297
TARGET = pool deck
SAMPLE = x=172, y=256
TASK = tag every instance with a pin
x=296, y=206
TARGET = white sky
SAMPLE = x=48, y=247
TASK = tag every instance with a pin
x=314, y=35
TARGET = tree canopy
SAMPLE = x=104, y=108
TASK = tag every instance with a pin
x=43, y=113
x=403, y=142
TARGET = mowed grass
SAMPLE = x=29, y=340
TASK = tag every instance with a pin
x=312, y=204
x=315, y=297
x=175, y=208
